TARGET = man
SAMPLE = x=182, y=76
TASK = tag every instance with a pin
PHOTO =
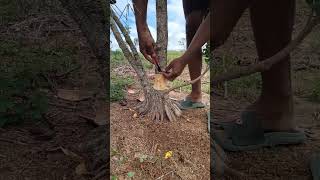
x=194, y=12
x=268, y=121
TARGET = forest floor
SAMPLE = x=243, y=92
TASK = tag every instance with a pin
x=50, y=50
x=139, y=145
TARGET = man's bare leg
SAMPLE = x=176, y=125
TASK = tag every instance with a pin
x=273, y=32
x=193, y=21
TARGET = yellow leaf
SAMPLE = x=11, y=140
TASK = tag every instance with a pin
x=168, y=154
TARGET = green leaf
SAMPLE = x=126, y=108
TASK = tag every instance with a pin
x=143, y=158
x=114, y=177
x=130, y=174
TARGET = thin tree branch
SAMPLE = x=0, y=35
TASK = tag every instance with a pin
x=132, y=56
x=125, y=34
x=120, y=41
x=190, y=82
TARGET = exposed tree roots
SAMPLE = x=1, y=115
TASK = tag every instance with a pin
x=159, y=106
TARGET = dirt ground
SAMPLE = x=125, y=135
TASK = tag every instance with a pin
x=51, y=148
x=135, y=137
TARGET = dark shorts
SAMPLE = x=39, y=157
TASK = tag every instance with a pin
x=195, y=5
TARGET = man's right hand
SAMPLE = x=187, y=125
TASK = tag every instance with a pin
x=146, y=42
x=147, y=45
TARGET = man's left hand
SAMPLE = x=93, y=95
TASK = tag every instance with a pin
x=174, y=69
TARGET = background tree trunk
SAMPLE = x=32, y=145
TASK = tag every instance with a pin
x=93, y=22
x=162, y=32
x=92, y=16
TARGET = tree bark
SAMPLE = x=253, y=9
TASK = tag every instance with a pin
x=162, y=32
x=93, y=22
x=93, y=19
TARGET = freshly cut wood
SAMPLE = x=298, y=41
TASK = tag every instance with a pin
x=160, y=82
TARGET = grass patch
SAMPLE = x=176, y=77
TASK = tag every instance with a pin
x=173, y=54
x=117, y=86
x=22, y=76
x=178, y=82
x=206, y=88
x=8, y=11
x=118, y=59
x=315, y=92
x=248, y=87
x=315, y=41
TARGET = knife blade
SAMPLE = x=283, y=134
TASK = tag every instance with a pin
x=157, y=64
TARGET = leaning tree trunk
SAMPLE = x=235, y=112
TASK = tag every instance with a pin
x=91, y=15
x=162, y=32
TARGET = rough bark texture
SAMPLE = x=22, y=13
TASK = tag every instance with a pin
x=162, y=32
x=91, y=16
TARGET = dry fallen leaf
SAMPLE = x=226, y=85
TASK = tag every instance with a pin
x=141, y=97
x=70, y=154
x=73, y=95
x=81, y=169
x=131, y=91
x=135, y=115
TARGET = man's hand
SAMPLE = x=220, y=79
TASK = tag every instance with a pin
x=175, y=68
x=147, y=45
x=146, y=42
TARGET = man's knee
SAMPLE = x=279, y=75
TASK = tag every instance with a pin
x=193, y=21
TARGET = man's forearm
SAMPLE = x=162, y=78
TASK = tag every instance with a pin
x=140, y=10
